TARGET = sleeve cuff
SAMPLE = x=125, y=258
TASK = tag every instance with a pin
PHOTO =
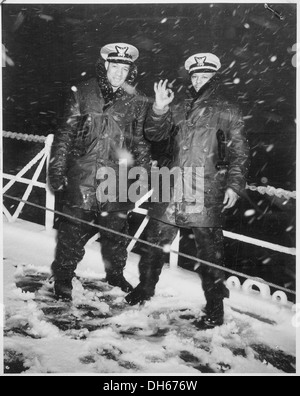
x=160, y=112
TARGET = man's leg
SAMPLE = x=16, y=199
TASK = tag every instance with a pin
x=210, y=247
x=72, y=238
x=114, y=248
x=152, y=260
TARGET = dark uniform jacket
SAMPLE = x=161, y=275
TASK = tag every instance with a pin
x=207, y=135
x=97, y=125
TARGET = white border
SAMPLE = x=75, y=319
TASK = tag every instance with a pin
x=103, y=2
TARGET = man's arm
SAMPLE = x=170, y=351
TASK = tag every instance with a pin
x=158, y=127
x=141, y=146
x=238, y=153
x=159, y=123
x=63, y=142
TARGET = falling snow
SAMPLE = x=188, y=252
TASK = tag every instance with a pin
x=249, y=213
x=49, y=49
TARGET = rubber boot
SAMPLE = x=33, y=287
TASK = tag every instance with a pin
x=119, y=281
x=63, y=289
x=140, y=295
x=214, y=315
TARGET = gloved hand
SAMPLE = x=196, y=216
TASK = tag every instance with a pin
x=58, y=182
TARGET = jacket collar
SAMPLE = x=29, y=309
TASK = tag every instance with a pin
x=205, y=92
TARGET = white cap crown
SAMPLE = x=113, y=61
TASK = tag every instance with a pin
x=203, y=63
x=120, y=53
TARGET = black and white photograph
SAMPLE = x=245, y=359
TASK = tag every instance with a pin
x=149, y=160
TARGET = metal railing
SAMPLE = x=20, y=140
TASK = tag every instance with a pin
x=43, y=158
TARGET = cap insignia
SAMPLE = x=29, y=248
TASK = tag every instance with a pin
x=200, y=61
x=122, y=51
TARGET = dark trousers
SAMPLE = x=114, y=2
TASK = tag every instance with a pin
x=210, y=247
x=73, y=236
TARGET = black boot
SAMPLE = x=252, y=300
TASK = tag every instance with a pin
x=208, y=323
x=214, y=315
x=63, y=289
x=119, y=281
x=150, y=268
x=139, y=295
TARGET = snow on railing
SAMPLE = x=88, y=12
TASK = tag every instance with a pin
x=44, y=156
x=25, y=137
x=258, y=288
x=249, y=285
x=233, y=282
x=272, y=191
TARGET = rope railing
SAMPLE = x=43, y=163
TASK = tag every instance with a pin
x=50, y=196
x=269, y=190
x=24, y=137
x=195, y=259
x=272, y=191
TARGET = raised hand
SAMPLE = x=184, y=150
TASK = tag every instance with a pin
x=163, y=95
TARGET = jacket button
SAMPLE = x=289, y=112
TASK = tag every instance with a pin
x=185, y=148
x=205, y=150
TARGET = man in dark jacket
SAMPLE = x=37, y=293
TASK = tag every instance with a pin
x=209, y=145
x=103, y=124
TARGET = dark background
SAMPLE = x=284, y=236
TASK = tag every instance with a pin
x=52, y=47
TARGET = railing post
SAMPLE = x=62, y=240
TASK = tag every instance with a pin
x=50, y=197
x=175, y=247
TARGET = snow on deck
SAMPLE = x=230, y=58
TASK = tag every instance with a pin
x=98, y=333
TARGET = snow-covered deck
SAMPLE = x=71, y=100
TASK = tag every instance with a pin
x=99, y=334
